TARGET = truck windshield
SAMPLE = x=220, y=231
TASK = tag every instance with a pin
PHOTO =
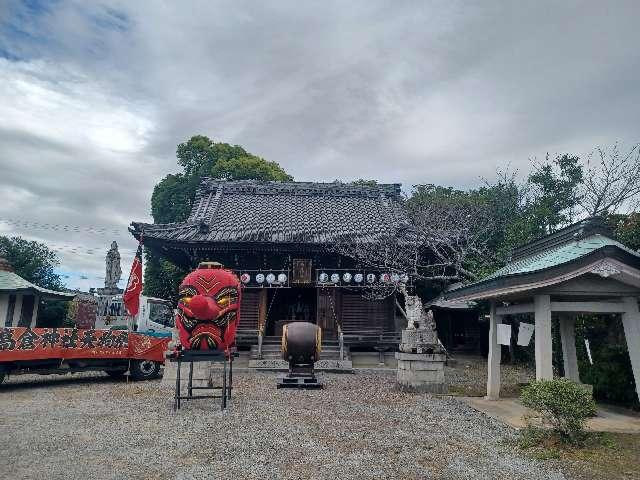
x=161, y=313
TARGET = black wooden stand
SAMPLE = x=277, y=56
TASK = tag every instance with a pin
x=191, y=356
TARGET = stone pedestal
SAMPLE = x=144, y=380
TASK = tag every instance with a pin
x=202, y=374
x=421, y=372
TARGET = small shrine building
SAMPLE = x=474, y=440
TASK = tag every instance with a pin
x=20, y=299
x=579, y=269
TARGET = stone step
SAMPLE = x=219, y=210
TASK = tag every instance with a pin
x=343, y=366
x=277, y=348
x=276, y=355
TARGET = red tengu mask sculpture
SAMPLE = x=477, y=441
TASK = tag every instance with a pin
x=209, y=308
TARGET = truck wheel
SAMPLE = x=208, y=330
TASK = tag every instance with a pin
x=1, y=376
x=144, y=369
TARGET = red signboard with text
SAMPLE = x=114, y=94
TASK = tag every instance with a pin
x=67, y=343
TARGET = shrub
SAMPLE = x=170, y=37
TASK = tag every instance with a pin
x=564, y=405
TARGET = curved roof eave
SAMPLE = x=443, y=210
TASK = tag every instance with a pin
x=523, y=281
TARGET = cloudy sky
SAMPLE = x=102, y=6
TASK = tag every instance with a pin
x=95, y=96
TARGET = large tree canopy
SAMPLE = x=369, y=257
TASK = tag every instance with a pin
x=36, y=263
x=201, y=157
x=32, y=260
x=173, y=196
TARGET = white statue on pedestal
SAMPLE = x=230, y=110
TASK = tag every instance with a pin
x=113, y=270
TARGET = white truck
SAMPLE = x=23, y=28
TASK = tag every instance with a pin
x=156, y=316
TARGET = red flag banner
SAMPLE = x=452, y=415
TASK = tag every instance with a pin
x=131, y=296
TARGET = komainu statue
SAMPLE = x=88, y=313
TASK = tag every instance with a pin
x=420, y=336
x=208, y=308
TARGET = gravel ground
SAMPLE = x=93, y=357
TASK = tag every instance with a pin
x=468, y=376
x=92, y=427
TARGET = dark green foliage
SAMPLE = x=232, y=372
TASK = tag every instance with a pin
x=563, y=405
x=161, y=277
x=555, y=186
x=627, y=228
x=249, y=167
x=611, y=374
x=36, y=263
x=199, y=155
x=33, y=261
x=52, y=313
x=173, y=196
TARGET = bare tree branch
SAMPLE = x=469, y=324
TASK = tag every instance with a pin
x=612, y=180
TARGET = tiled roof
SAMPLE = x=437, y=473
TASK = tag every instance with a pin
x=12, y=282
x=559, y=255
x=562, y=249
x=285, y=212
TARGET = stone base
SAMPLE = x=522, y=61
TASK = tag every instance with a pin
x=202, y=373
x=321, y=365
x=421, y=372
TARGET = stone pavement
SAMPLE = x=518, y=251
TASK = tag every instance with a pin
x=511, y=411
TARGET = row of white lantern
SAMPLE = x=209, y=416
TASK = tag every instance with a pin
x=261, y=278
x=271, y=278
x=359, y=278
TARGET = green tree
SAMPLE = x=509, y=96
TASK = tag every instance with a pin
x=249, y=167
x=555, y=192
x=173, y=196
x=199, y=155
x=32, y=260
x=36, y=263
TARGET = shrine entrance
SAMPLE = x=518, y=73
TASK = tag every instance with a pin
x=285, y=305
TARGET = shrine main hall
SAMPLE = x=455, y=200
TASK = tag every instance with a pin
x=279, y=238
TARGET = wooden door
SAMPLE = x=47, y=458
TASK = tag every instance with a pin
x=328, y=312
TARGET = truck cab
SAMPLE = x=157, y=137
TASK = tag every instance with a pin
x=155, y=317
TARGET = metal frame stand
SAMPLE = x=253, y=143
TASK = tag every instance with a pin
x=191, y=356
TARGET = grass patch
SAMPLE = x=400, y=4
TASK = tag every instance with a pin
x=614, y=456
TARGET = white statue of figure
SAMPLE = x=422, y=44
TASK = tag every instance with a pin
x=113, y=270
x=421, y=326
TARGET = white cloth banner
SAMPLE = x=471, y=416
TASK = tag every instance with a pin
x=504, y=334
x=525, y=332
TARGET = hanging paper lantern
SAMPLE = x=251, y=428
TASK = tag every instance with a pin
x=245, y=278
x=395, y=278
x=385, y=277
x=346, y=277
x=335, y=278
x=324, y=278
x=405, y=278
x=282, y=278
x=358, y=277
x=371, y=277
x=271, y=278
x=260, y=278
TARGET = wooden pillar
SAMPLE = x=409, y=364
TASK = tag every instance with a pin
x=4, y=307
x=36, y=308
x=17, y=310
x=543, y=342
x=493, y=360
x=568, y=337
x=631, y=323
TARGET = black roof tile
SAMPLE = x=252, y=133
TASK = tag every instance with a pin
x=284, y=212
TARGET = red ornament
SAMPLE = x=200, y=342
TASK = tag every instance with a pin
x=209, y=308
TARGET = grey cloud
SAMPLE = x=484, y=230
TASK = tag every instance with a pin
x=400, y=91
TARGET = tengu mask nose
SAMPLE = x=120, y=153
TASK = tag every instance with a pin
x=203, y=308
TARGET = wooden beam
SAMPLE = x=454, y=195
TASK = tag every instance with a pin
x=588, y=307
x=515, y=309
